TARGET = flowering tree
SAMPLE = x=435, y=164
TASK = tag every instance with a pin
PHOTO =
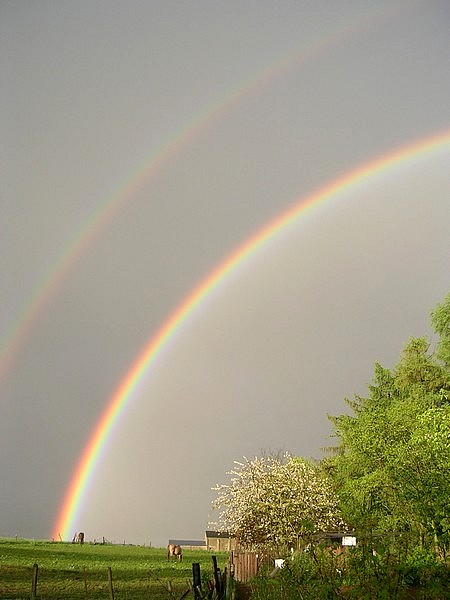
x=275, y=501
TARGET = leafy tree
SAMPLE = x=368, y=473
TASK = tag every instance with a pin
x=392, y=462
x=275, y=501
x=440, y=318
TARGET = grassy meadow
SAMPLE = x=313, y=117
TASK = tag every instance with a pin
x=76, y=571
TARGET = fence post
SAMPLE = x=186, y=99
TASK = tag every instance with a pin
x=34, y=580
x=197, y=581
x=217, y=579
x=85, y=583
x=110, y=580
x=229, y=583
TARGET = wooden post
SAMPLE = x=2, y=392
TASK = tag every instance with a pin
x=34, y=580
x=217, y=580
x=229, y=583
x=197, y=581
x=85, y=583
x=110, y=580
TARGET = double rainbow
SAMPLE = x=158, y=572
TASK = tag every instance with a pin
x=82, y=477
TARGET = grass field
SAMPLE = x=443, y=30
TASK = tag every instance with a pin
x=72, y=571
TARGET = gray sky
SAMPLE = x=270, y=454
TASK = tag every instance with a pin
x=282, y=98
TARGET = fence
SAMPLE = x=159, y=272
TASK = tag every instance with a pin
x=244, y=565
x=221, y=587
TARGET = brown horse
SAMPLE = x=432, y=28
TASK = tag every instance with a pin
x=78, y=538
x=174, y=550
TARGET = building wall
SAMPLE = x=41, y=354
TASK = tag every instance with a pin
x=220, y=543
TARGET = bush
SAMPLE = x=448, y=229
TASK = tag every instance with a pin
x=308, y=575
x=355, y=574
x=422, y=569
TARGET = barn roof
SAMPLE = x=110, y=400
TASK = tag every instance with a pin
x=218, y=534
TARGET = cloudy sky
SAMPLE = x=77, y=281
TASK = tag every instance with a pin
x=141, y=143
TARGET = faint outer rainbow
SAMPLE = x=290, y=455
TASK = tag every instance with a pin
x=24, y=321
x=83, y=475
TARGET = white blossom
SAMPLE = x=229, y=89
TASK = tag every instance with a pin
x=273, y=500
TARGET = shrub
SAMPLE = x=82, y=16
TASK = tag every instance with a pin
x=424, y=571
x=356, y=574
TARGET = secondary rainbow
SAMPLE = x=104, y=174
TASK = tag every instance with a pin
x=22, y=325
x=84, y=472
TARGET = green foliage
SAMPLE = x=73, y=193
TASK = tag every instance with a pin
x=423, y=569
x=309, y=575
x=440, y=318
x=357, y=573
x=392, y=463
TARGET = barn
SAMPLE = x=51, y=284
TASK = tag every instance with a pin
x=217, y=541
x=220, y=541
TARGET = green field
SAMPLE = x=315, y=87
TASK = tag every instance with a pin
x=67, y=571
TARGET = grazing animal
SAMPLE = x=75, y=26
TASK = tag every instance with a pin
x=174, y=550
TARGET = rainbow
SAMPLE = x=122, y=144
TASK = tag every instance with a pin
x=23, y=323
x=90, y=459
